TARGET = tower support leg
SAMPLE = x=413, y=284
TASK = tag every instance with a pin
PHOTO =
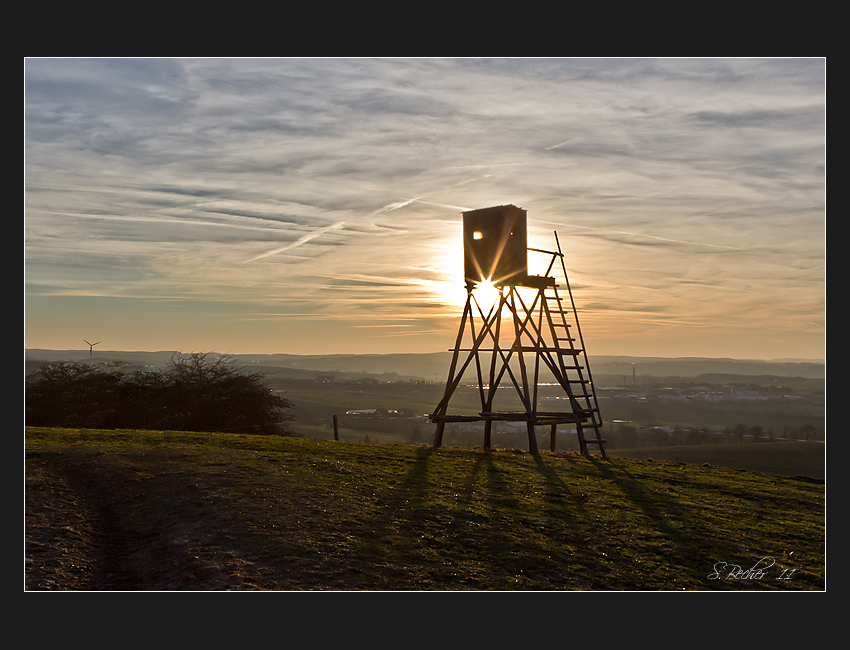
x=532, y=440
x=553, y=432
x=488, y=429
x=581, y=443
x=438, y=434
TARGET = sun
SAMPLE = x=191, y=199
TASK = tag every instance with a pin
x=486, y=293
x=451, y=288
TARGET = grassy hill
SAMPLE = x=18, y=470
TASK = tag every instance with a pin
x=136, y=510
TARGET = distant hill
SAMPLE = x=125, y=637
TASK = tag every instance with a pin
x=695, y=366
x=434, y=366
x=35, y=358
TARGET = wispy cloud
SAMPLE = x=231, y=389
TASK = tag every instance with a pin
x=298, y=242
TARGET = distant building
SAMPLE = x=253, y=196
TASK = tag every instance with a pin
x=379, y=413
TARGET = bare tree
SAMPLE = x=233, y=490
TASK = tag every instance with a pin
x=197, y=392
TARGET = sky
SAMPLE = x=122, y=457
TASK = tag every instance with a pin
x=313, y=206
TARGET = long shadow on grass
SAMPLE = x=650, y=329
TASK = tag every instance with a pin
x=389, y=554
x=590, y=558
x=543, y=527
x=687, y=547
x=454, y=524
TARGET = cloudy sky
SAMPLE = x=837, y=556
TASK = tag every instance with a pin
x=313, y=205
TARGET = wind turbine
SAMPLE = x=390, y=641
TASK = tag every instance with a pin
x=91, y=347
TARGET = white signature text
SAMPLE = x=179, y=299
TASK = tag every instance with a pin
x=724, y=571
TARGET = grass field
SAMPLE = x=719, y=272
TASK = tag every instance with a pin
x=136, y=510
x=792, y=458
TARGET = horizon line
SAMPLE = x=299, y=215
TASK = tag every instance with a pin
x=328, y=354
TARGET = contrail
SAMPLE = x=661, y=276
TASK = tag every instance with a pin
x=561, y=144
x=459, y=208
x=298, y=242
x=639, y=234
x=393, y=206
x=400, y=204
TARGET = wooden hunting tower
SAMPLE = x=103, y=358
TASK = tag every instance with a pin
x=519, y=337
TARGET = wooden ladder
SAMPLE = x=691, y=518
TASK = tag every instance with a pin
x=576, y=378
